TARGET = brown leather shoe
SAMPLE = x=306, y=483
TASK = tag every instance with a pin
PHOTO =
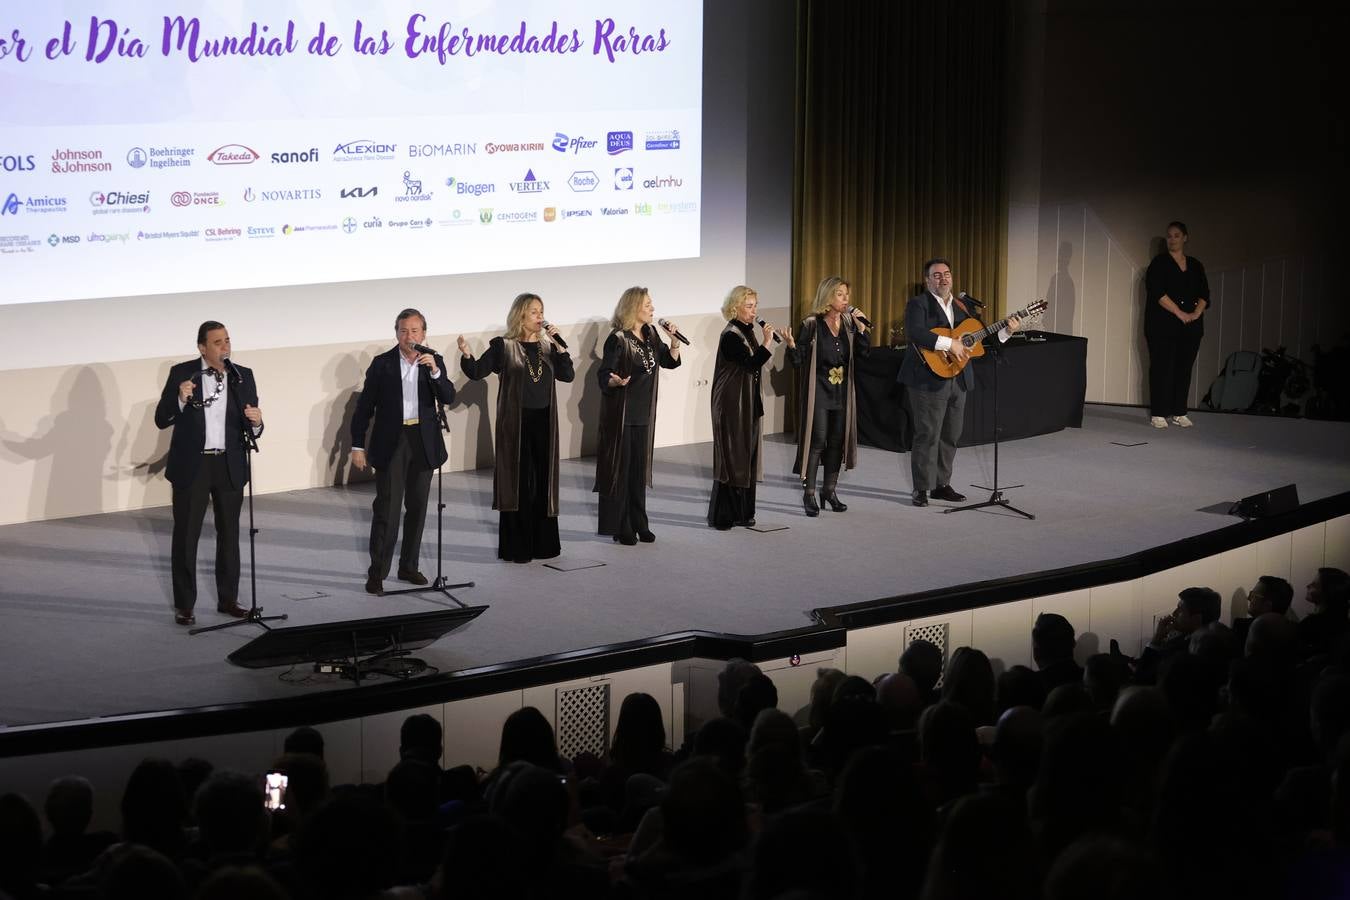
x=411, y=577
x=184, y=618
x=374, y=585
x=232, y=609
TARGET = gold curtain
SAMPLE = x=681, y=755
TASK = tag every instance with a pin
x=900, y=125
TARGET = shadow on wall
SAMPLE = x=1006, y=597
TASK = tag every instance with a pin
x=145, y=447
x=331, y=418
x=70, y=448
x=581, y=403
x=1062, y=292
x=1157, y=245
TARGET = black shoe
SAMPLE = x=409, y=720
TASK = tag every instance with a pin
x=375, y=585
x=832, y=500
x=646, y=537
x=184, y=617
x=810, y=505
x=628, y=540
x=232, y=609
x=413, y=577
x=945, y=492
x=745, y=523
x=919, y=498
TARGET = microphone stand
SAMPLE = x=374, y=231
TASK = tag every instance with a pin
x=440, y=583
x=996, y=497
x=255, y=616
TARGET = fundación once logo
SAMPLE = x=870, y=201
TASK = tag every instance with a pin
x=623, y=178
x=529, y=185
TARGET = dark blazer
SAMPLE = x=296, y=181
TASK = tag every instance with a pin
x=189, y=425
x=922, y=315
x=382, y=397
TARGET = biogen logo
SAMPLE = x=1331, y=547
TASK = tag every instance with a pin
x=233, y=155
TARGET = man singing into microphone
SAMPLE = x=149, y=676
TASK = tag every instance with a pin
x=209, y=408
x=937, y=404
x=405, y=445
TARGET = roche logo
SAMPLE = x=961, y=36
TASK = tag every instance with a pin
x=233, y=155
x=476, y=189
x=291, y=156
x=623, y=178
x=530, y=184
x=562, y=143
x=358, y=193
x=17, y=163
x=349, y=225
x=412, y=190
x=583, y=182
x=617, y=142
x=663, y=140
x=136, y=157
x=363, y=151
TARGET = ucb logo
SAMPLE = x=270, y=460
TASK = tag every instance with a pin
x=359, y=192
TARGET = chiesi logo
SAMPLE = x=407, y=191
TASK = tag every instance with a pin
x=119, y=202
x=530, y=184
x=233, y=155
x=562, y=143
x=412, y=189
x=363, y=151
x=477, y=189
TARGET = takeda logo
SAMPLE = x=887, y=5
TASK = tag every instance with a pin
x=233, y=155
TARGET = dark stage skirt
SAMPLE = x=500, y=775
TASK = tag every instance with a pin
x=530, y=532
x=730, y=505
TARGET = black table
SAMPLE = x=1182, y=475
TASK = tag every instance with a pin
x=1041, y=387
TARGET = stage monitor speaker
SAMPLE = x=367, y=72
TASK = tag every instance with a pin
x=351, y=639
x=1267, y=503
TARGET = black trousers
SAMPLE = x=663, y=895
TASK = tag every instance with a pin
x=827, y=437
x=189, y=509
x=404, y=482
x=1172, y=347
x=530, y=532
x=625, y=513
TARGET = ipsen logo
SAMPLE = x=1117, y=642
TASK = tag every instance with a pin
x=530, y=185
x=119, y=202
x=233, y=155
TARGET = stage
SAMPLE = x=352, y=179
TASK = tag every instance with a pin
x=88, y=626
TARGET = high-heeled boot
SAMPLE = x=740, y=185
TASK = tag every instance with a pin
x=827, y=491
x=809, y=484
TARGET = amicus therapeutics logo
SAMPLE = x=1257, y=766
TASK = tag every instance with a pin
x=233, y=155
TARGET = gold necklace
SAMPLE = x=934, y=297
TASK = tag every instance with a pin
x=534, y=375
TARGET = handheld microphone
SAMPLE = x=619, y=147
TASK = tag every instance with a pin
x=556, y=338
x=853, y=311
x=969, y=299
x=777, y=338
x=232, y=371
x=665, y=323
x=423, y=349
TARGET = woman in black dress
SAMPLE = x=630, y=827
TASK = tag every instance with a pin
x=628, y=380
x=525, y=470
x=827, y=344
x=1177, y=297
x=738, y=411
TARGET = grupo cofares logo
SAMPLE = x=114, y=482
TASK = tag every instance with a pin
x=562, y=143
x=66, y=162
x=623, y=178
x=287, y=157
x=529, y=184
x=583, y=181
x=364, y=150
x=17, y=163
x=473, y=188
x=233, y=155
x=105, y=202
x=196, y=198
x=412, y=189
x=617, y=142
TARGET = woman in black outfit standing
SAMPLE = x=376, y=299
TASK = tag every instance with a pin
x=525, y=472
x=738, y=411
x=824, y=351
x=1177, y=296
x=623, y=459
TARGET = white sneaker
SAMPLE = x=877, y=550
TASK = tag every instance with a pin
x=1182, y=421
x=1158, y=422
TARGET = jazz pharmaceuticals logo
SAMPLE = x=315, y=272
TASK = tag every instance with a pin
x=562, y=143
x=412, y=189
x=233, y=155
x=119, y=202
x=530, y=184
x=619, y=142
x=583, y=182
x=476, y=189
x=358, y=193
x=623, y=178
x=363, y=151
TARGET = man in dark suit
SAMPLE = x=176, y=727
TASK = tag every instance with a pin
x=404, y=447
x=209, y=401
x=937, y=404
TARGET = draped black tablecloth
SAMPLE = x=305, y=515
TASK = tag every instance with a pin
x=1040, y=390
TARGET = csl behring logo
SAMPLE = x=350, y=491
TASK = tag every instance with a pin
x=583, y=182
x=619, y=142
x=358, y=193
x=363, y=151
x=233, y=155
x=562, y=143
x=477, y=189
x=412, y=190
x=623, y=178
x=530, y=184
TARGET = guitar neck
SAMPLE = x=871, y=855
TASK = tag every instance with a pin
x=998, y=326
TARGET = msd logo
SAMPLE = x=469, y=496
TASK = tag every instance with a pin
x=233, y=155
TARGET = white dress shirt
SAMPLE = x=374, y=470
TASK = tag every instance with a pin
x=944, y=343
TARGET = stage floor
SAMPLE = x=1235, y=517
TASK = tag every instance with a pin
x=88, y=628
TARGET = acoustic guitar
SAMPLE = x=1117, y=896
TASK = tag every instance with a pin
x=972, y=336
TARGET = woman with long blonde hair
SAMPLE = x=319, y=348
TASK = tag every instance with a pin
x=633, y=353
